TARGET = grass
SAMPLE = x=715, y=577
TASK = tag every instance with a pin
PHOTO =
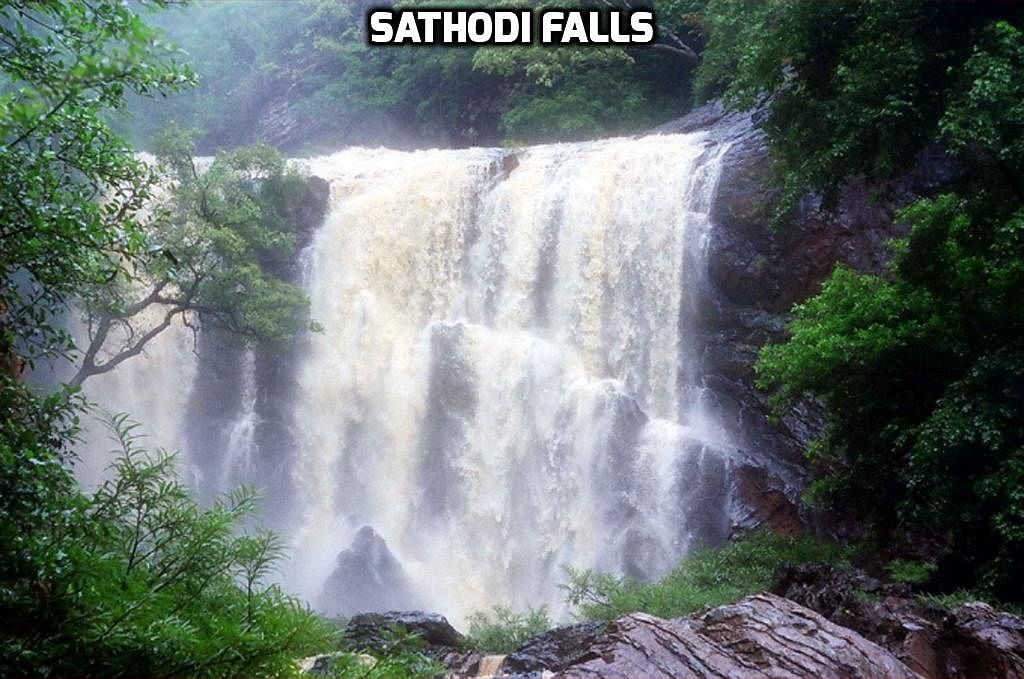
x=707, y=578
x=950, y=601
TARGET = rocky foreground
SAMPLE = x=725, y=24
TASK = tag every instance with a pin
x=817, y=622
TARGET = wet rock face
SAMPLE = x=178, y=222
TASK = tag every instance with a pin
x=974, y=640
x=763, y=501
x=762, y=635
x=367, y=630
x=756, y=273
x=368, y=577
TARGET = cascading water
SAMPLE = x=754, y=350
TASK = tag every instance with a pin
x=506, y=379
x=500, y=388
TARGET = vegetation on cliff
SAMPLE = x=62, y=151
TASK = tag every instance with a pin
x=219, y=239
x=920, y=367
x=328, y=87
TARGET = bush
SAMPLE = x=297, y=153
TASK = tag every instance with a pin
x=503, y=631
x=707, y=578
x=137, y=580
x=401, y=657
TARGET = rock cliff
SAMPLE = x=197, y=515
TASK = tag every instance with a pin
x=756, y=273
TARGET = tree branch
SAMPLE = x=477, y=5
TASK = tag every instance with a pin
x=666, y=41
x=90, y=367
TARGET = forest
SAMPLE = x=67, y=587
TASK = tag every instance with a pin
x=146, y=185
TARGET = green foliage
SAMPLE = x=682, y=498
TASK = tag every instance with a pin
x=63, y=64
x=920, y=368
x=910, y=572
x=706, y=578
x=950, y=601
x=314, y=55
x=137, y=580
x=230, y=236
x=922, y=376
x=402, y=656
x=986, y=112
x=502, y=631
x=221, y=242
x=857, y=86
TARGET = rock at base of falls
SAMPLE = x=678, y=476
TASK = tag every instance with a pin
x=761, y=635
x=834, y=631
x=369, y=630
x=555, y=649
x=367, y=578
x=372, y=632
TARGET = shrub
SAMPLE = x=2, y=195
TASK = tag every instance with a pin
x=138, y=580
x=910, y=572
x=401, y=657
x=503, y=631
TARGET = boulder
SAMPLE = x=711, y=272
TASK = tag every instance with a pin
x=372, y=632
x=369, y=630
x=978, y=641
x=760, y=636
x=555, y=649
x=368, y=577
x=325, y=664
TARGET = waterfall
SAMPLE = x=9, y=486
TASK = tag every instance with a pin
x=500, y=388
x=506, y=381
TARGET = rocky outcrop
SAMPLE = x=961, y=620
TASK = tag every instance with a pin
x=368, y=577
x=368, y=630
x=760, y=636
x=555, y=649
x=974, y=640
x=756, y=273
x=830, y=623
x=373, y=632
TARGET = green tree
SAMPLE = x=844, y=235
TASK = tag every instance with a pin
x=920, y=367
x=64, y=64
x=856, y=86
x=219, y=244
x=313, y=59
x=558, y=94
x=134, y=579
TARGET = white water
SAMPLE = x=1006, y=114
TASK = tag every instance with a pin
x=503, y=383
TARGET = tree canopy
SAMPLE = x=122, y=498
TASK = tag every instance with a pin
x=920, y=367
x=219, y=241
